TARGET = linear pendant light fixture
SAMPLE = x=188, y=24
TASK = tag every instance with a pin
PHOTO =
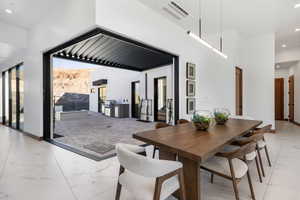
x=203, y=42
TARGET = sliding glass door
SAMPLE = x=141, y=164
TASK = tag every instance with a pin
x=13, y=97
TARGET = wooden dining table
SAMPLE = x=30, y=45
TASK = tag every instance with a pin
x=192, y=147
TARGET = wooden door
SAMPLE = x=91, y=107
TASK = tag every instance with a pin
x=291, y=98
x=239, y=91
x=279, y=99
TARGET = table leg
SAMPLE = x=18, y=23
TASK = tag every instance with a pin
x=192, y=178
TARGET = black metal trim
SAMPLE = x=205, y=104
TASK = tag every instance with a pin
x=9, y=99
x=134, y=114
x=18, y=97
x=3, y=98
x=155, y=96
x=47, y=75
x=176, y=89
x=47, y=96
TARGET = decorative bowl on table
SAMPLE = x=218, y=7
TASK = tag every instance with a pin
x=201, y=120
x=221, y=115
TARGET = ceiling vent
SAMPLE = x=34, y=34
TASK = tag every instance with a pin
x=175, y=10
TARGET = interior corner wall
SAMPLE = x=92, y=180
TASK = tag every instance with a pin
x=60, y=25
x=257, y=62
x=215, y=75
x=287, y=55
x=296, y=73
x=284, y=73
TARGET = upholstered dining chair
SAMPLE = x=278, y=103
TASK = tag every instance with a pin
x=253, y=155
x=158, y=126
x=146, y=178
x=232, y=165
x=261, y=144
x=182, y=121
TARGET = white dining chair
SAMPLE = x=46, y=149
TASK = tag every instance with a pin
x=232, y=165
x=146, y=178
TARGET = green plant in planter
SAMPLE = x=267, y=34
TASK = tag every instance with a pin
x=201, y=122
x=221, y=116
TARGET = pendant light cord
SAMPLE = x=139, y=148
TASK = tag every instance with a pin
x=200, y=18
x=221, y=25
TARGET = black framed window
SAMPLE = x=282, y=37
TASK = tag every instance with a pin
x=13, y=97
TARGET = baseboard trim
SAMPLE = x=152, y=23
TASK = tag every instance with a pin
x=296, y=123
x=25, y=133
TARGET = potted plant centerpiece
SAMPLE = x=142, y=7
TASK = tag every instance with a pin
x=221, y=115
x=202, y=120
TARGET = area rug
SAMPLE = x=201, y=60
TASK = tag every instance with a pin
x=100, y=147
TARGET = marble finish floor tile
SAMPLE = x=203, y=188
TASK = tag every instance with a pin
x=32, y=170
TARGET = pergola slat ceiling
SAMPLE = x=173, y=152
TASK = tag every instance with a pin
x=109, y=51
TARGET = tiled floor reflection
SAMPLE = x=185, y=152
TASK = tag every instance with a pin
x=31, y=170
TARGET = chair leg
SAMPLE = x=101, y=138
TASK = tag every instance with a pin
x=157, y=191
x=154, y=150
x=234, y=182
x=261, y=163
x=119, y=186
x=182, y=185
x=250, y=185
x=268, y=157
x=118, y=192
x=258, y=169
x=212, y=178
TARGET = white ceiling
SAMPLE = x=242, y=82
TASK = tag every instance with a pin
x=286, y=65
x=248, y=17
x=25, y=12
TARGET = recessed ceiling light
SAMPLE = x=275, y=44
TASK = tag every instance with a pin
x=297, y=5
x=284, y=45
x=297, y=29
x=9, y=11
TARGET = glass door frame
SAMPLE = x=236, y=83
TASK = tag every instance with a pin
x=134, y=113
x=156, y=95
x=4, y=98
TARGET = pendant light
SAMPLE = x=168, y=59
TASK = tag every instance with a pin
x=199, y=37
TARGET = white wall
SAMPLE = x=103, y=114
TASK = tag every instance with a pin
x=296, y=71
x=13, y=35
x=258, y=61
x=118, y=84
x=286, y=55
x=66, y=20
x=284, y=73
x=215, y=76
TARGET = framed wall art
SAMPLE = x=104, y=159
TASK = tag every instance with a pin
x=190, y=88
x=190, y=71
x=190, y=105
